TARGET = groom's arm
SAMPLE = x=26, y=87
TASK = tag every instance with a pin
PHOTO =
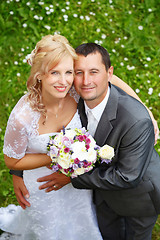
x=20, y=189
x=133, y=157
x=18, y=173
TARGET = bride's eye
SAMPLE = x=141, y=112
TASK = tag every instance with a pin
x=54, y=73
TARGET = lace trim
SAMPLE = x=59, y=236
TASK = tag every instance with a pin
x=74, y=94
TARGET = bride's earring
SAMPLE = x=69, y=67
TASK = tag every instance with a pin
x=38, y=80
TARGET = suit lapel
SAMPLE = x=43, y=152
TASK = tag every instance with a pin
x=81, y=111
x=105, y=125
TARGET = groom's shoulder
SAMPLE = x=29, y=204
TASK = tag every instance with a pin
x=128, y=106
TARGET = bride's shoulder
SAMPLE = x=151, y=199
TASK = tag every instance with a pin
x=22, y=112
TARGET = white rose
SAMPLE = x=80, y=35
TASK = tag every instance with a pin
x=91, y=155
x=58, y=139
x=106, y=152
x=79, y=171
x=64, y=162
x=78, y=148
x=70, y=133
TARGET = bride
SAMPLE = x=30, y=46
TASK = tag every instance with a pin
x=43, y=111
x=49, y=105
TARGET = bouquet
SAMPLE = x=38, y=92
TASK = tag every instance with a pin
x=74, y=152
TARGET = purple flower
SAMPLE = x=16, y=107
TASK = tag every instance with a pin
x=54, y=150
x=76, y=161
x=59, y=166
x=87, y=146
x=85, y=163
x=106, y=160
x=75, y=166
x=80, y=138
x=55, y=168
x=66, y=150
x=88, y=140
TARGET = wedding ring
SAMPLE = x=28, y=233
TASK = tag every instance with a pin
x=55, y=186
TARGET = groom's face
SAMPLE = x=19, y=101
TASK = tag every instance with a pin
x=91, y=78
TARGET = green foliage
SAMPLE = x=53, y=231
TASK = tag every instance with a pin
x=129, y=29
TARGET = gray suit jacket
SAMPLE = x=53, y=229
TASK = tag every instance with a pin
x=131, y=183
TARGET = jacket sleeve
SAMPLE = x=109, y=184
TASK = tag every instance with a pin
x=18, y=173
x=132, y=158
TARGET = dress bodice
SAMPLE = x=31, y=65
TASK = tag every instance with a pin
x=38, y=143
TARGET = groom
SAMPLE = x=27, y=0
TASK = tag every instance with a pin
x=128, y=190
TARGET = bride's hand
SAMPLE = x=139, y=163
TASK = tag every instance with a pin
x=54, y=181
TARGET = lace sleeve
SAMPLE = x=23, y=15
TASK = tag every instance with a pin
x=22, y=124
x=15, y=140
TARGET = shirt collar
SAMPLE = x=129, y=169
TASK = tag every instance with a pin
x=98, y=110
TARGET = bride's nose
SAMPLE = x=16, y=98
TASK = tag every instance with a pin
x=62, y=79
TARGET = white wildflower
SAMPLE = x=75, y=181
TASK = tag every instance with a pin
x=103, y=36
x=140, y=27
x=137, y=90
x=41, y=3
x=24, y=25
x=150, y=91
x=47, y=27
x=148, y=59
x=87, y=18
x=36, y=17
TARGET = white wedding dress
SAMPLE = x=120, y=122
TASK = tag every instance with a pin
x=66, y=214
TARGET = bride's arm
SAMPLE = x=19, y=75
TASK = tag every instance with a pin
x=29, y=161
x=125, y=87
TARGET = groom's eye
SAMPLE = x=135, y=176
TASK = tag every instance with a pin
x=78, y=72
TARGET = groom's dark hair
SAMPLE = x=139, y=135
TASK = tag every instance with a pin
x=89, y=48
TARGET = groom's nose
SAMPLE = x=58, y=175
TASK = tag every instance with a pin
x=86, y=78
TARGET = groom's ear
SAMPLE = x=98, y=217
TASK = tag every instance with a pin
x=110, y=73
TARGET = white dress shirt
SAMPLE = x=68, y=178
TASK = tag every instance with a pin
x=95, y=114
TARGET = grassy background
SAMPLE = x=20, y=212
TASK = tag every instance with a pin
x=129, y=29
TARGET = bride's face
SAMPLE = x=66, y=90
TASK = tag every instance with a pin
x=57, y=82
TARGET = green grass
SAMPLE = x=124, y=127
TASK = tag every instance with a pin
x=129, y=29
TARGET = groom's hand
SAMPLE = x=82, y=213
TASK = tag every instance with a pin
x=54, y=181
x=21, y=191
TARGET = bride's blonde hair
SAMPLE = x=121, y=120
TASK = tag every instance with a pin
x=48, y=53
